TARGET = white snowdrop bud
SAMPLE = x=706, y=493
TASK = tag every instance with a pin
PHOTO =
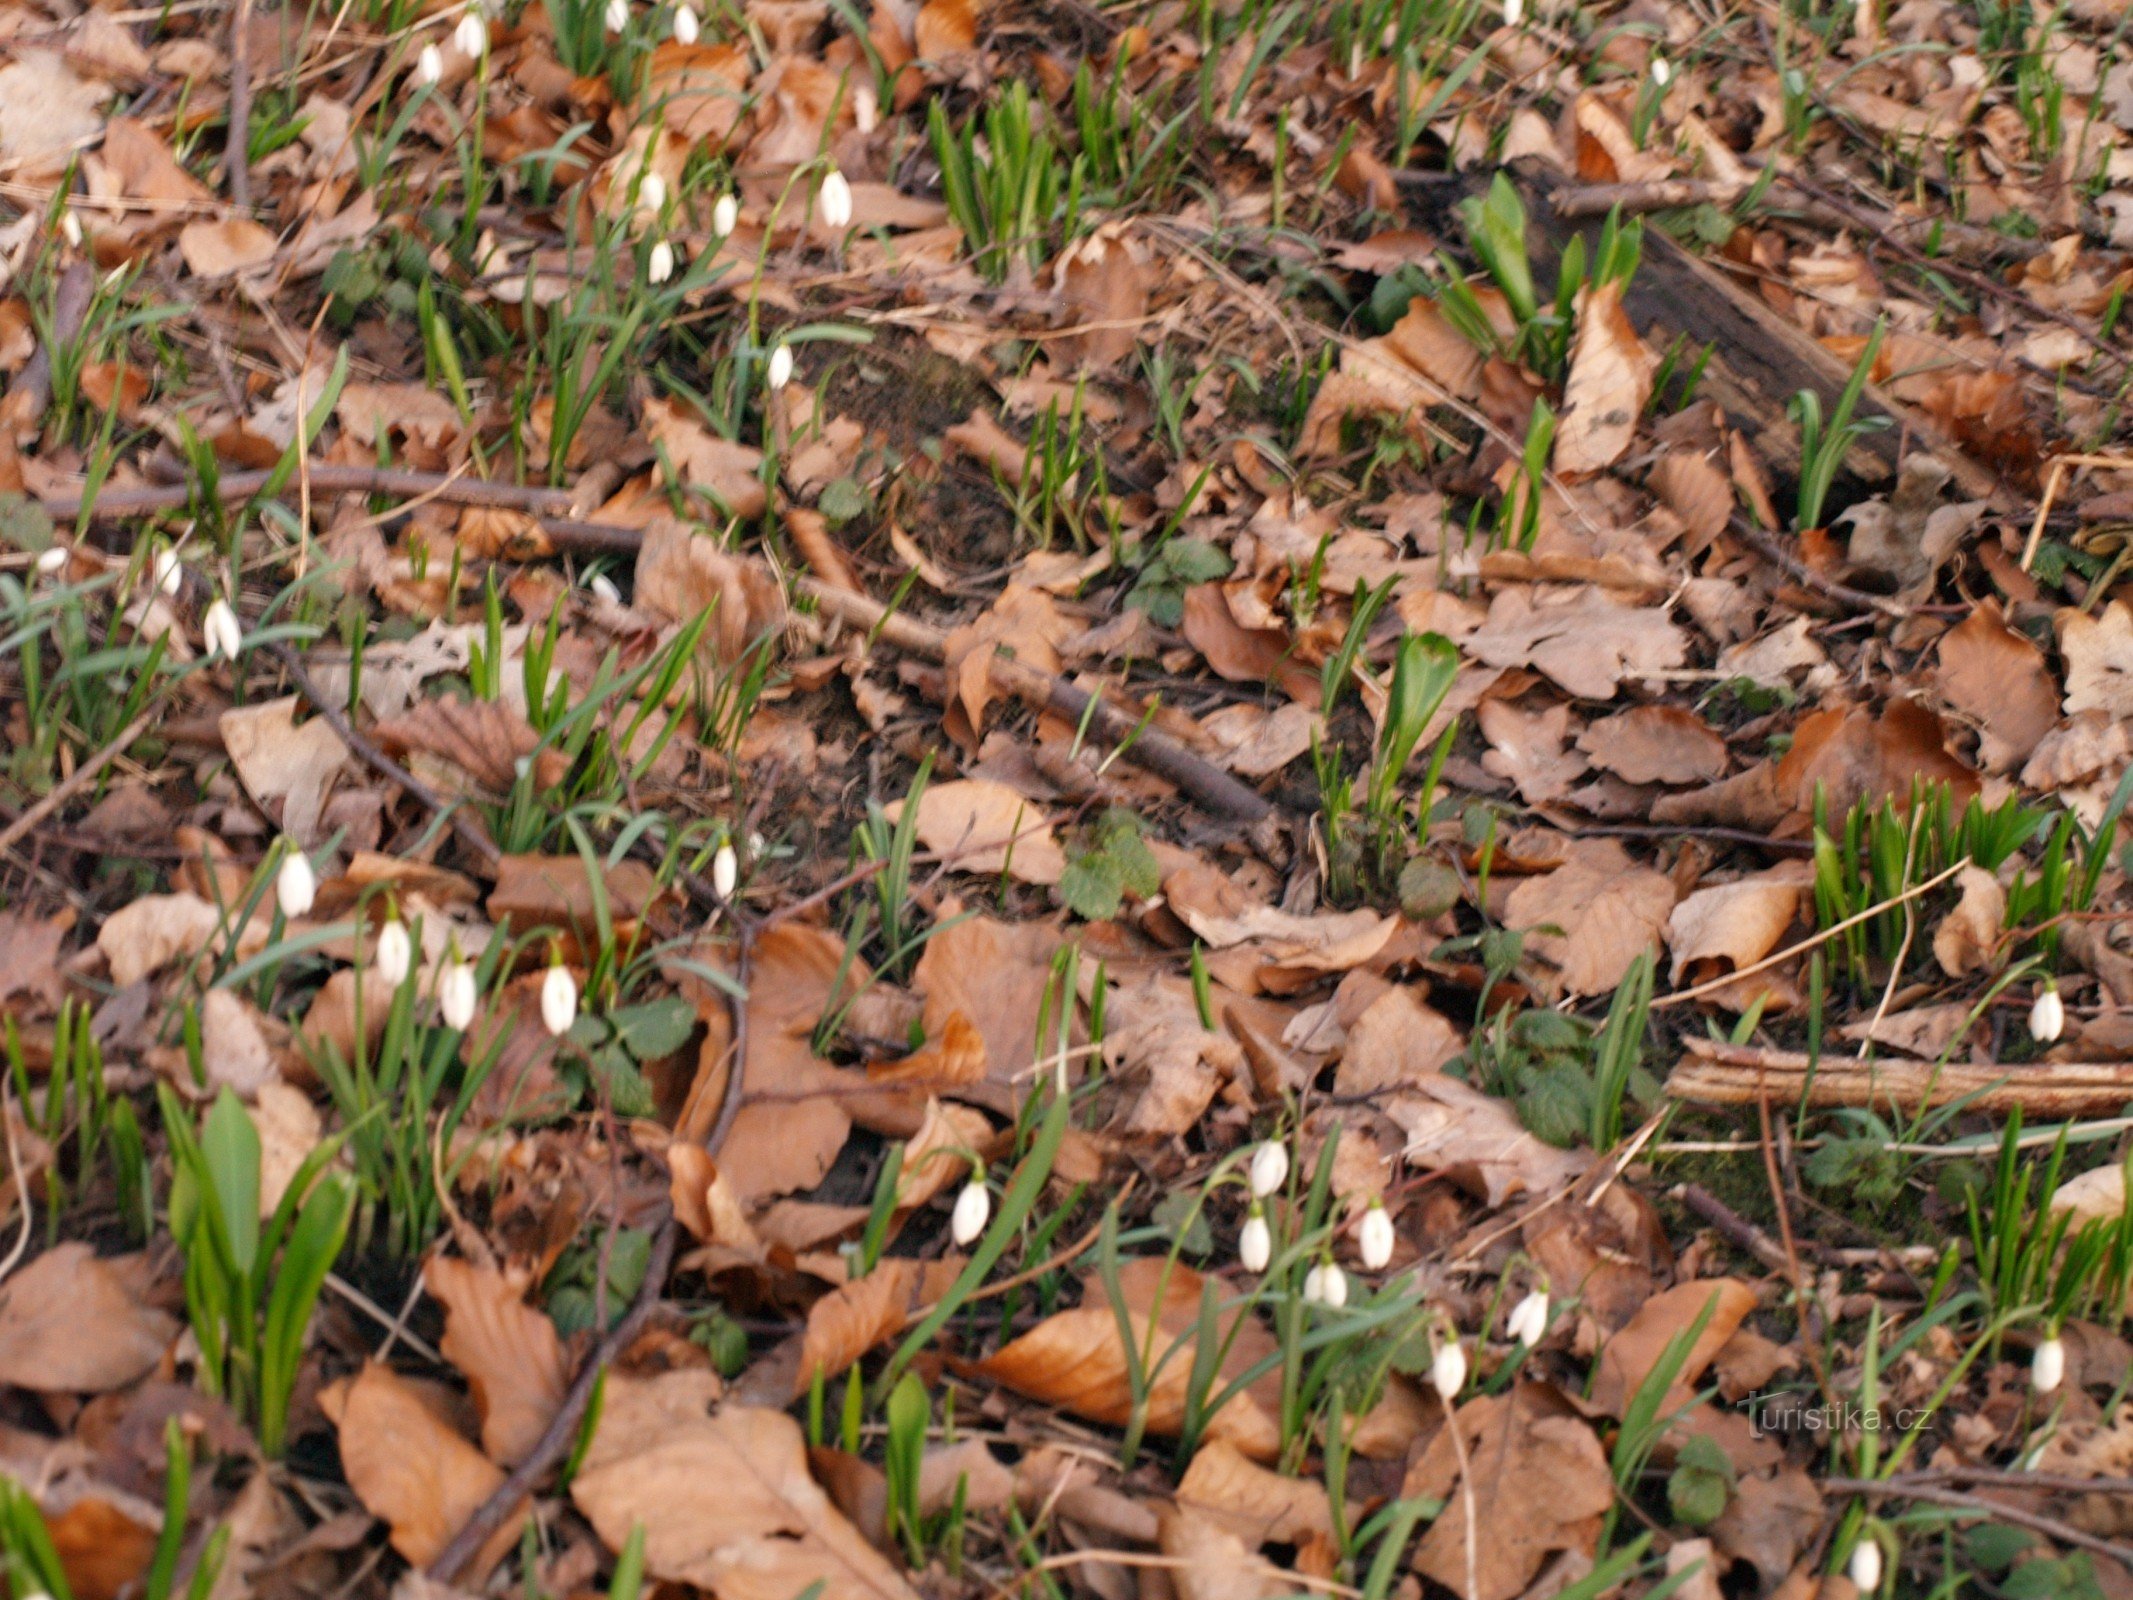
x=1514, y=12
x=1662, y=71
x=1270, y=1168
x=472, y=35
x=559, y=1000
x=725, y=215
x=1864, y=1568
x=659, y=265
x=1528, y=1323
x=686, y=25
x=618, y=15
x=651, y=192
x=1326, y=1285
x=1315, y=1287
x=53, y=560
x=70, y=227
x=836, y=198
x=604, y=586
x=725, y=871
x=429, y=66
x=395, y=952
x=1255, y=1241
x=457, y=995
x=169, y=576
x=2047, y=1368
x=780, y=373
x=220, y=631
x=1374, y=1238
x=1447, y=1370
x=2047, y=1017
x=973, y=1209
x=295, y=884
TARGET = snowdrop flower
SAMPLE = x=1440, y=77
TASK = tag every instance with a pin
x=1864, y=1568
x=51, y=561
x=2047, y=1018
x=70, y=227
x=725, y=215
x=1326, y=1285
x=604, y=586
x=618, y=15
x=472, y=34
x=725, y=871
x=973, y=1209
x=780, y=373
x=559, y=999
x=658, y=267
x=1374, y=1238
x=1514, y=12
x=1255, y=1242
x=1528, y=1322
x=686, y=26
x=1447, y=1370
x=836, y=198
x=219, y=630
x=651, y=192
x=395, y=952
x=1270, y=1168
x=2047, y=1368
x=1662, y=70
x=168, y=575
x=295, y=885
x=457, y=995
x=429, y=67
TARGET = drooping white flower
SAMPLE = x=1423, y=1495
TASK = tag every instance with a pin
x=221, y=632
x=457, y=995
x=1514, y=12
x=973, y=1209
x=659, y=265
x=1255, y=1241
x=429, y=66
x=70, y=227
x=559, y=1000
x=1326, y=1285
x=1662, y=70
x=686, y=25
x=2047, y=1368
x=652, y=193
x=725, y=215
x=169, y=575
x=1374, y=1238
x=395, y=952
x=52, y=560
x=725, y=871
x=836, y=198
x=604, y=586
x=780, y=372
x=295, y=884
x=1528, y=1322
x=1864, y=1568
x=2047, y=1017
x=472, y=34
x=618, y=15
x=1270, y=1168
x=1447, y=1369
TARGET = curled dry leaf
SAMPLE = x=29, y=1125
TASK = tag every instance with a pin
x=1209, y=1560
x=1397, y=1042
x=1998, y=679
x=1223, y=914
x=478, y=744
x=1584, y=640
x=1968, y=937
x=1610, y=380
x=1258, y=1505
x=1074, y=1359
x=1630, y=1355
x=233, y=1043
x=995, y=973
x=289, y=1130
x=941, y=1152
x=727, y=470
x=1477, y=1140
x=681, y=573
x=850, y=1321
x=507, y=1351
x=1608, y=910
x=985, y=827
x=953, y=1060
x=72, y=1322
x=725, y=1499
x=285, y=761
x=1726, y=926
x=2099, y=660
x=29, y=954
x=412, y=1468
x=983, y=440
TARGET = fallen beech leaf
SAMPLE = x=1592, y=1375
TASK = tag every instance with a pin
x=729, y=471
x=1610, y=380
x=1395, y=1043
x=983, y=440
x=1222, y=914
x=985, y=827
x=29, y=954
x=941, y=1152
x=1585, y=641
x=1074, y=1360
x=72, y=1322
x=995, y=973
x=1103, y=282
x=1997, y=678
x=2099, y=660
x=478, y=743
x=850, y=1321
x=1696, y=489
x=1608, y=908
x=289, y=1130
x=233, y=1043
x=956, y=1058
x=1022, y=623
x=1210, y=1561
x=782, y=1146
x=1477, y=1140
x=412, y=1468
x=157, y=929
x=1629, y=1357
x=1968, y=937
x=681, y=573
x=1259, y=1506
x=506, y=1350
x=1539, y=1483
x=1735, y=923
x=1255, y=742
x=1153, y=1027
x=283, y=760
x=557, y=892
x=1528, y=748
x=965, y=1473
x=45, y=111
x=1240, y=654
x=1656, y=744
x=225, y=248
x=1770, y=1521
x=104, y=1538
x=725, y=1499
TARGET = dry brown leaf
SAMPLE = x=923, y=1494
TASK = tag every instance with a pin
x=966, y=1473
x=985, y=827
x=1259, y=1506
x=983, y=440
x=289, y=1130
x=72, y=1322
x=725, y=1499
x=1536, y=1481
x=1023, y=623
x=1223, y=914
x=682, y=572
x=1580, y=637
x=849, y=1321
x=1395, y=1043
x=1241, y=654
x=1209, y=1561
x=1153, y=1027
x=1656, y=744
x=478, y=744
x=729, y=471
x=145, y=168
x=1610, y=380
x=955, y=1059
x=945, y=1150
x=2099, y=660
x=782, y=1146
x=558, y=892
x=157, y=929
x=1255, y=742
x=1074, y=1360
x=1528, y=748
x=45, y=111
x=1968, y=937
x=29, y=954
x=1628, y=1358
x=995, y=973
x=506, y=1350
x=1103, y=282
x=233, y=1042
x=1696, y=489
x=225, y=248
x=1769, y=1522
x=1734, y=923
x=1998, y=678
x=1477, y=1140
x=1607, y=911
x=282, y=760
x=414, y=411
x=412, y=1468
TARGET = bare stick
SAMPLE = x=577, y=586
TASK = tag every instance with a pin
x=1711, y=1073
x=237, y=146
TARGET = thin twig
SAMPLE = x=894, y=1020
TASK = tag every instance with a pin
x=1770, y=550
x=1990, y=1510
x=237, y=145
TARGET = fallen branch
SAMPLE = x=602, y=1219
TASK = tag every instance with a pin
x=1991, y=1510
x=1719, y=1074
